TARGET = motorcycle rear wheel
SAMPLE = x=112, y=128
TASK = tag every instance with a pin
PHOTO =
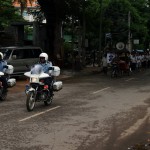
x=30, y=102
x=48, y=101
x=3, y=96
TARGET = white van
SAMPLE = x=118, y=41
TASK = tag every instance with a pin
x=21, y=57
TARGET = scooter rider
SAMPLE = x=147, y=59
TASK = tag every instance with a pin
x=3, y=66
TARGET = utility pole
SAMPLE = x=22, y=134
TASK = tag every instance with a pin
x=100, y=33
x=83, y=34
x=129, y=31
x=72, y=43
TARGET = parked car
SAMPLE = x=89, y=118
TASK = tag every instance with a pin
x=21, y=57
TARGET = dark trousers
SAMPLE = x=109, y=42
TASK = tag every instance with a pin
x=105, y=69
x=133, y=66
x=48, y=81
x=148, y=64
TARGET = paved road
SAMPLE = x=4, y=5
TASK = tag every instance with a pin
x=94, y=112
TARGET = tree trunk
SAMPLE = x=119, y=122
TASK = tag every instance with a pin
x=52, y=11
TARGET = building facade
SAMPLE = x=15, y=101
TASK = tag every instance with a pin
x=30, y=7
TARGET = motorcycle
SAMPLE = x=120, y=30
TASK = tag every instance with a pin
x=10, y=81
x=115, y=70
x=37, y=90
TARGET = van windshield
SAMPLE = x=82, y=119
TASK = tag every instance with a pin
x=6, y=53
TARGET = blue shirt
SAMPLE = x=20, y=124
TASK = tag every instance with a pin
x=2, y=64
x=46, y=66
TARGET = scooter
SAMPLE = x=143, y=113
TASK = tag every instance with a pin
x=37, y=90
x=10, y=81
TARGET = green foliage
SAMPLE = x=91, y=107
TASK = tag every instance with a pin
x=8, y=13
x=67, y=47
x=114, y=17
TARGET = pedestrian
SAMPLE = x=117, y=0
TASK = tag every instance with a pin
x=148, y=58
x=104, y=64
x=133, y=61
x=139, y=61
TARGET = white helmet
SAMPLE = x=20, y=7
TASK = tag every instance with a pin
x=1, y=54
x=44, y=55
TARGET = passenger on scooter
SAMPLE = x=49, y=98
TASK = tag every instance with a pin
x=3, y=66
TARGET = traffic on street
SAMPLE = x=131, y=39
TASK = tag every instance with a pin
x=91, y=112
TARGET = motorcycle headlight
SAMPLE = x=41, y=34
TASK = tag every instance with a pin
x=34, y=79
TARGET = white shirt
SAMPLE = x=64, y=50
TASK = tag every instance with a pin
x=104, y=62
x=133, y=59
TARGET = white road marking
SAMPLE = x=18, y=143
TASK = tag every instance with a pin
x=38, y=114
x=130, y=79
x=1, y=115
x=101, y=90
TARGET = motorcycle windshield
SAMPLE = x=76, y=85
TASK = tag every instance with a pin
x=36, y=69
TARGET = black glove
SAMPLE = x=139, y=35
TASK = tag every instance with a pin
x=51, y=68
x=5, y=67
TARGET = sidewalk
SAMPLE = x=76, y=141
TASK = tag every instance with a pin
x=66, y=74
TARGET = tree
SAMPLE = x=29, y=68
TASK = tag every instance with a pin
x=55, y=11
x=114, y=19
x=7, y=14
x=141, y=26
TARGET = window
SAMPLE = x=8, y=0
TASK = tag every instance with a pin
x=19, y=54
x=28, y=53
x=6, y=53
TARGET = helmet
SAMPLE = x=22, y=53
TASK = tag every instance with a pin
x=44, y=55
x=1, y=55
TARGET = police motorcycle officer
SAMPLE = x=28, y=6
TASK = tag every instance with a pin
x=46, y=65
x=5, y=80
x=42, y=82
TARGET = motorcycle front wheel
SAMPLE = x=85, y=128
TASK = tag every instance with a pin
x=30, y=102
